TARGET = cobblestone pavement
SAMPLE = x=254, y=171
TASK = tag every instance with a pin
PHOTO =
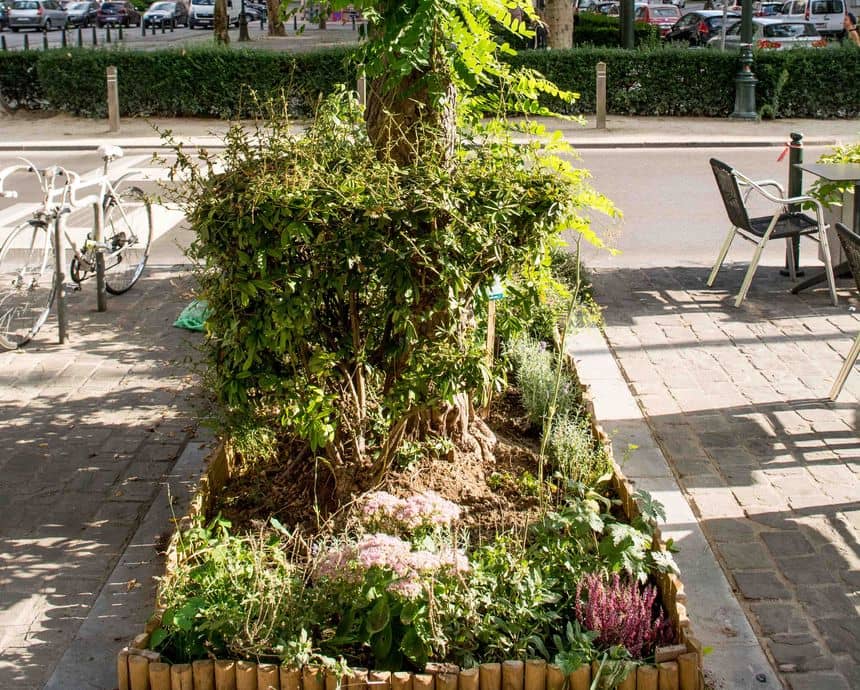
x=88, y=430
x=737, y=400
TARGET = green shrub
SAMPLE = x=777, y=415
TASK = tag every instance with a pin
x=193, y=82
x=20, y=85
x=213, y=82
x=601, y=31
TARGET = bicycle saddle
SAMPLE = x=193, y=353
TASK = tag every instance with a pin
x=110, y=152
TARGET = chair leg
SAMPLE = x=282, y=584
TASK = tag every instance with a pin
x=722, y=256
x=828, y=266
x=789, y=254
x=745, y=286
x=846, y=369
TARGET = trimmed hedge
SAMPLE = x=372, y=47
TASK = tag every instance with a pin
x=602, y=31
x=201, y=82
x=216, y=82
x=20, y=85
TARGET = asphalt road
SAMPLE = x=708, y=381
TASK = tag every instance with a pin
x=674, y=216
x=171, y=236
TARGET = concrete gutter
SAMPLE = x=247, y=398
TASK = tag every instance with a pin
x=737, y=661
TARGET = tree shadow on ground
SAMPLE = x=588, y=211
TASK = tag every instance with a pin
x=90, y=430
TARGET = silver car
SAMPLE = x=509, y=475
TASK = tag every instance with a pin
x=773, y=34
x=42, y=15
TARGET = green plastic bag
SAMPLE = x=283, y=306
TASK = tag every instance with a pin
x=193, y=316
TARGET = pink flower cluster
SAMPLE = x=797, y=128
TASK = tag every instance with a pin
x=350, y=562
x=622, y=612
x=427, y=509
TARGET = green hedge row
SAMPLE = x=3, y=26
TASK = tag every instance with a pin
x=602, y=31
x=213, y=82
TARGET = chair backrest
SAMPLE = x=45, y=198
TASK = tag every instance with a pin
x=731, y=193
x=851, y=244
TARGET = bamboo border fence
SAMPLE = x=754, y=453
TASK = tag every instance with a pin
x=140, y=669
x=678, y=667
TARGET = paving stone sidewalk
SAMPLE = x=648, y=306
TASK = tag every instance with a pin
x=737, y=400
x=88, y=430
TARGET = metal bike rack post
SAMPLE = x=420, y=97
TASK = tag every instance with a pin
x=113, y=99
x=101, y=292
x=59, y=278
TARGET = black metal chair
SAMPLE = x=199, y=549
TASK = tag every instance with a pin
x=785, y=223
x=851, y=244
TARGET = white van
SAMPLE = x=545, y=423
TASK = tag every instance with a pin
x=202, y=13
x=827, y=15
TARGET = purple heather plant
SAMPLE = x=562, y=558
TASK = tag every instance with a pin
x=622, y=612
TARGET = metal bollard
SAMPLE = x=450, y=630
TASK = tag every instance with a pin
x=795, y=188
x=95, y=37
x=152, y=24
x=80, y=37
x=353, y=21
x=119, y=32
x=113, y=99
x=163, y=27
x=295, y=23
x=3, y=43
x=107, y=33
x=143, y=28
x=63, y=39
x=45, y=40
x=26, y=41
x=172, y=24
x=59, y=280
x=601, y=95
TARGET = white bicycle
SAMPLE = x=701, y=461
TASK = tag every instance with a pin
x=115, y=250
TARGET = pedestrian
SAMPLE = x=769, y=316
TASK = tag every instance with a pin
x=850, y=26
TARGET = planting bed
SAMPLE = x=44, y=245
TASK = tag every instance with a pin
x=489, y=494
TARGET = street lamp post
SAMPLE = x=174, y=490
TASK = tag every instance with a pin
x=243, y=25
x=745, y=80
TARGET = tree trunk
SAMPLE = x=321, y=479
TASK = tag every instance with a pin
x=403, y=124
x=273, y=13
x=558, y=16
x=221, y=22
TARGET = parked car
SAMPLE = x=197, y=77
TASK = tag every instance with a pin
x=82, y=13
x=254, y=14
x=698, y=27
x=118, y=14
x=168, y=13
x=202, y=13
x=827, y=15
x=773, y=34
x=661, y=16
x=767, y=9
x=43, y=15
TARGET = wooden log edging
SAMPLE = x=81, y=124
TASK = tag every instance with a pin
x=138, y=671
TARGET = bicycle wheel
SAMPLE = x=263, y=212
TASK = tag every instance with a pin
x=27, y=287
x=127, y=236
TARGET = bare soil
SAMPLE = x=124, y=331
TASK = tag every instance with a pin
x=496, y=494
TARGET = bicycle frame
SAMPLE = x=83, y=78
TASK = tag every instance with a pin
x=59, y=202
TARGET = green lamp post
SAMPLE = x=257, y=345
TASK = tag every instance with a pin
x=745, y=80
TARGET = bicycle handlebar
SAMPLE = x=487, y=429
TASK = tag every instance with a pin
x=7, y=172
